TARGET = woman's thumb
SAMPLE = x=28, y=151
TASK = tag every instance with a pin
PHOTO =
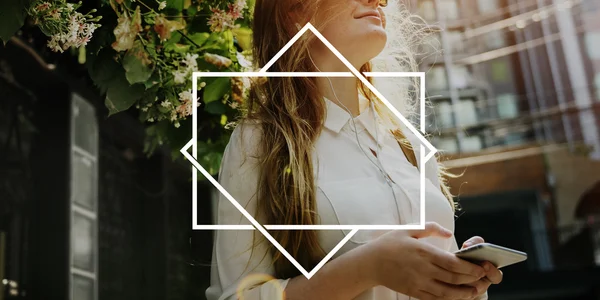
x=432, y=229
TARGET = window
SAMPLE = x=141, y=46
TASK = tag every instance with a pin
x=84, y=200
x=447, y=145
x=495, y=39
x=83, y=288
x=507, y=106
x=592, y=44
x=486, y=6
x=83, y=180
x=82, y=243
x=514, y=138
x=500, y=71
x=466, y=113
x=443, y=115
x=455, y=39
x=472, y=144
x=461, y=76
x=436, y=79
x=448, y=9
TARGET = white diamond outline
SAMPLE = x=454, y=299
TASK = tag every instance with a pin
x=263, y=73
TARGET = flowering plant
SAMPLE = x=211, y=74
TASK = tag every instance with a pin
x=61, y=21
x=141, y=54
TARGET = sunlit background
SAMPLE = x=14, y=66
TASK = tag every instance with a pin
x=515, y=92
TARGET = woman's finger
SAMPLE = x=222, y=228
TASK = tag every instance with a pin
x=473, y=241
x=446, y=276
x=492, y=273
x=452, y=263
x=450, y=291
x=481, y=285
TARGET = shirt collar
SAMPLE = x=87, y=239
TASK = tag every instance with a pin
x=338, y=117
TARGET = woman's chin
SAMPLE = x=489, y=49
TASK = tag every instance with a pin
x=374, y=43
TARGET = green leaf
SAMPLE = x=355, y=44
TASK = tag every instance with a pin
x=121, y=96
x=149, y=18
x=175, y=4
x=152, y=81
x=199, y=38
x=174, y=39
x=243, y=36
x=212, y=162
x=12, y=17
x=102, y=69
x=217, y=89
x=192, y=11
x=178, y=48
x=137, y=65
x=216, y=108
x=227, y=39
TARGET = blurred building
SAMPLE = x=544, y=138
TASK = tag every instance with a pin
x=516, y=107
x=516, y=72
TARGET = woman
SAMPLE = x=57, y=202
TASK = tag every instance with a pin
x=324, y=151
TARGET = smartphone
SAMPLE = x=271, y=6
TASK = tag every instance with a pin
x=497, y=255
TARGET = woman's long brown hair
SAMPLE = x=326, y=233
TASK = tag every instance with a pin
x=290, y=113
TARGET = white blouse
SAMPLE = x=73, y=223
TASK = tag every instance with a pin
x=351, y=190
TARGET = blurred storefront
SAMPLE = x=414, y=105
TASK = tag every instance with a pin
x=516, y=111
x=84, y=213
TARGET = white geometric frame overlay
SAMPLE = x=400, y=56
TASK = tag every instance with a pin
x=255, y=225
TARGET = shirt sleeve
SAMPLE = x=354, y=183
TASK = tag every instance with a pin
x=241, y=263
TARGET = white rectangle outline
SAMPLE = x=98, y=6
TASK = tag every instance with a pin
x=194, y=144
x=263, y=71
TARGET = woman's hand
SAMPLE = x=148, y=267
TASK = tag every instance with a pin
x=493, y=274
x=406, y=265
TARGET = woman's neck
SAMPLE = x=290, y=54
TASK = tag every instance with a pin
x=345, y=92
x=345, y=95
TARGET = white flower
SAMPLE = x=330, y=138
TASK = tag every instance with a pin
x=70, y=7
x=55, y=14
x=173, y=115
x=151, y=120
x=177, y=125
x=162, y=5
x=180, y=77
x=190, y=61
x=202, y=84
x=186, y=96
x=144, y=109
x=166, y=104
x=245, y=63
x=54, y=43
x=220, y=20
